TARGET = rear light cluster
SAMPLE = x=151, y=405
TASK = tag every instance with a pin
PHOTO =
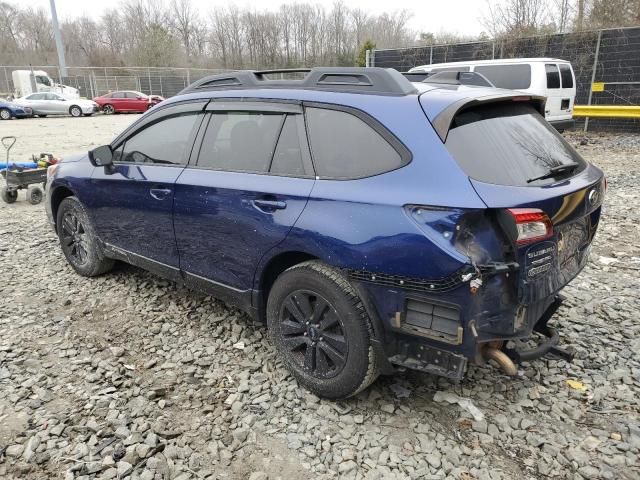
x=532, y=225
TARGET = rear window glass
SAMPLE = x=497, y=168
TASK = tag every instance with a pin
x=512, y=77
x=344, y=146
x=553, y=77
x=565, y=73
x=508, y=144
x=450, y=69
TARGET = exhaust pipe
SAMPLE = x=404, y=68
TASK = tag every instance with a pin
x=492, y=352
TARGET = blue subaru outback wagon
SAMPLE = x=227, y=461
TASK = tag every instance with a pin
x=371, y=222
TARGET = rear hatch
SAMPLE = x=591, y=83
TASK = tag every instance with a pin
x=547, y=199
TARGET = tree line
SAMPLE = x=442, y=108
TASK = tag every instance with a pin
x=175, y=33
x=152, y=33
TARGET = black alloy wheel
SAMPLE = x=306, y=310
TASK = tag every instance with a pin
x=74, y=239
x=321, y=330
x=314, y=334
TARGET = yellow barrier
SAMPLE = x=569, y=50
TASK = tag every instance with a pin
x=607, y=111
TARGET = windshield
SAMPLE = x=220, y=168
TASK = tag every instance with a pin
x=44, y=80
x=509, y=144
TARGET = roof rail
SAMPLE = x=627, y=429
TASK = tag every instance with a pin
x=457, y=77
x=373, y=80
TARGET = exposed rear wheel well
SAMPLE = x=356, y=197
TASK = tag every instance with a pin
x=57, y=196
x=274, y=268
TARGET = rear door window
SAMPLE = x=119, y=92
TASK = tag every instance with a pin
x=240, y=141
x=565, y=74
x=508, y=144
x=553, y=77
x=512, y=77
x=290, y=154
x=344, y=146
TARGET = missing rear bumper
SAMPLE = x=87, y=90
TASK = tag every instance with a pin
x=549, y=346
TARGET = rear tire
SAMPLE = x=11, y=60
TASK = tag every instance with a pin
x=322, y=331
x=5, y=114
x=8, y=196
x=75, y=111
x=79, y=241
x=34, y=195
x=42, y=116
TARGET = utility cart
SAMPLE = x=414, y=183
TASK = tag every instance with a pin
x=19, y=178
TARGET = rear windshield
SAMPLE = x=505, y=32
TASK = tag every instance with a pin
x=508, y=144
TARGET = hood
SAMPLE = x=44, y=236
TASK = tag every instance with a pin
x=78, y=157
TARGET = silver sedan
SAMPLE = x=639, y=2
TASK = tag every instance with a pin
x=47, y=103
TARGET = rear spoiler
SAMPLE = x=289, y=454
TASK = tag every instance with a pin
x=442, y=122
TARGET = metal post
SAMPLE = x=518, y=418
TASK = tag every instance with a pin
x=6, y=78
x=56, y=34
x=149, y=77
x=367, y=58
x=188, y=77
x=373, y=58
x=160, y=77
x=593, y=76
x=493, y=50
x=431, y=55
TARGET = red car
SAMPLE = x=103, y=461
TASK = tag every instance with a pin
x=127, y=101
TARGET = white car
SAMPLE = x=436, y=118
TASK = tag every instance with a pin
x=48, y=103
x=549, y=77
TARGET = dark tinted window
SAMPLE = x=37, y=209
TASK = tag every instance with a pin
x=513, y=77
x=164, y=142
x=240, y=141
x=287, y=159
x=508, y=144
x=553, y=77
x=344, y=146
x=450, y=69
x=567, y=78
x=118, y=95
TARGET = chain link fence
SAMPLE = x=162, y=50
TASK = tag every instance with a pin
x=96, y=81
x=609, y=58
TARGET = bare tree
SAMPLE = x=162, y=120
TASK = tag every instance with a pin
x=154, y=32
x=516, y=17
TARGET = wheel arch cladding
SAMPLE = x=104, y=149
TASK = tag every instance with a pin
x=57, y=195
x=270, y=272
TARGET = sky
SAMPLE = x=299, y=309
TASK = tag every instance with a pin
x=456, y=16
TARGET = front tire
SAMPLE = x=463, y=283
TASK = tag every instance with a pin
x=108, y=109
x=75, y=111
x=322, y=331
x=5, y=114
x=79, y=241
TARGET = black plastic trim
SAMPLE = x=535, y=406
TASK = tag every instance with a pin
x=369, y=80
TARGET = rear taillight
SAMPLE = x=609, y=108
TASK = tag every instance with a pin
x=532, y=225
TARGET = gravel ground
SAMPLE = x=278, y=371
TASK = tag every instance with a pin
x=129, y=374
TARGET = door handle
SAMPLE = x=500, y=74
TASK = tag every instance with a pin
x=159, y=193
x=269, y=205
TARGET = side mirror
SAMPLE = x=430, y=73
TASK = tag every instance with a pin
x=102, y=157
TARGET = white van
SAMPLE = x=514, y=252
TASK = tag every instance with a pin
x=549, y=77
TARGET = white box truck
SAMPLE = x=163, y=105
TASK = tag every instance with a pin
x=26, y=82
